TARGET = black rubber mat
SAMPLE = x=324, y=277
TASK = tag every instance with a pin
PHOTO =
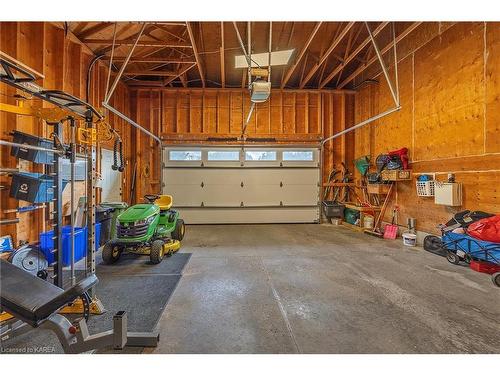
x=133, y=285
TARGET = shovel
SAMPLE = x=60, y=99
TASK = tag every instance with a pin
x=391, y=230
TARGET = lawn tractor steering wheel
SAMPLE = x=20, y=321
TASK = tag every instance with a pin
x=150, y=198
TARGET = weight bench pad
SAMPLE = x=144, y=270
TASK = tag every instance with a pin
x=33, y=299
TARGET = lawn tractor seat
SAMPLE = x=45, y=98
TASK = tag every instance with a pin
x=35, y=303
x=164, y=202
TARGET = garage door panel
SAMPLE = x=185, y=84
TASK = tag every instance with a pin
x=268, y=193
x=221, y=195
x=261, y=195
x=299, y=195
x=249, y=215
x=185, y=195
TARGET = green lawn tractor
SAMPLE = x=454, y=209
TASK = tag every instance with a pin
x=151, y=228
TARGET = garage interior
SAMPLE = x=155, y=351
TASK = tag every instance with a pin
x=250, y=187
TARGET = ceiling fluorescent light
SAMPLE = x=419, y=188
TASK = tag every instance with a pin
x=261, y=59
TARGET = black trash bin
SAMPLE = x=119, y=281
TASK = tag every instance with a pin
x=103, y=216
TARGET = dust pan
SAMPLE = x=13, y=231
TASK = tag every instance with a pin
x=390, y=231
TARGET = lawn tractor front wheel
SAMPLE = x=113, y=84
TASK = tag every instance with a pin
x=156, y=253
x=111, y=253
x=179, y=230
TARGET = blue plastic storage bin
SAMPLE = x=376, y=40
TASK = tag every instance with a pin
x=36, y=156
x=47, y=243
x=33, y=187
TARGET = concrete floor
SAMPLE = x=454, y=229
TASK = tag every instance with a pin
x=323, y=289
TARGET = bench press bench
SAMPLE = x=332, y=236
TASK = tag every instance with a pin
x=36, y=302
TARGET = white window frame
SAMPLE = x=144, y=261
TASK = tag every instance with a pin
x=241, y=163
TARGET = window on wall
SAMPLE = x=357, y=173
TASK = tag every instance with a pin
x=223, y=155
x=185, y=155
x=298, y=156
x=260, y=155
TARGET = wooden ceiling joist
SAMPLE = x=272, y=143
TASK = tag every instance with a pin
x=181, y=72
x=163, y=60
x=152, y=73
x=327, y=53
x=143, y=43
x=351, y=56
x=94, y=29
x=389, y=46
x=290, y=71
x=196, y=54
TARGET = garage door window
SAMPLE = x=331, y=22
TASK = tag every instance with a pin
x=185, y=155
x=298, y=156
x=223, y=155
x=260, y=155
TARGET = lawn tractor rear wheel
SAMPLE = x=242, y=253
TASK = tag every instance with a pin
x=179, y=230
x=110, y=253
x=156, y=253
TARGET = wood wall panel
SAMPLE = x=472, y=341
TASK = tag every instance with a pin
x=449, y=117
x=44, y=47
x=492, y=72
x=189, y=113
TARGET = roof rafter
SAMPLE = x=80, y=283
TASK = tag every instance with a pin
x=327, y=53
x=349, y=58
x=195, y=51
x=290, y=71
x=94, y=29
x=389, y=46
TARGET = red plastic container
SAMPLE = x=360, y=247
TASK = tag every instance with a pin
x=484, y=267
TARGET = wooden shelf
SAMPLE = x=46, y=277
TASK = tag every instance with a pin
x=361, y=208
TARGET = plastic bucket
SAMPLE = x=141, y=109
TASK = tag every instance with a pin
x=409, y=239
x=368, y=221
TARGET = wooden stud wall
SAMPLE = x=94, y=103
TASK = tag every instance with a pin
x=450, y=97
x=44, y=47
x=183, y=116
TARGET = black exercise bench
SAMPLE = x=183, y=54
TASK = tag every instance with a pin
x=36, y=303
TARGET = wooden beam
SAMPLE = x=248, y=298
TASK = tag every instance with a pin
x=145, y=83
x=74, y=38
x=327, y=53
x=222, y=57
x=181, y=72
x=163, y=60
x=349, y=58
x=158, y=73
x=143, y=43
x=101, y=26
x=196, y=55
x=79, y=27
x=389, y=46
x=300, y=55
x=165, y=29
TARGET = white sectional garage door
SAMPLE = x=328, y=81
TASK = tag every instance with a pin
x=243, y=185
